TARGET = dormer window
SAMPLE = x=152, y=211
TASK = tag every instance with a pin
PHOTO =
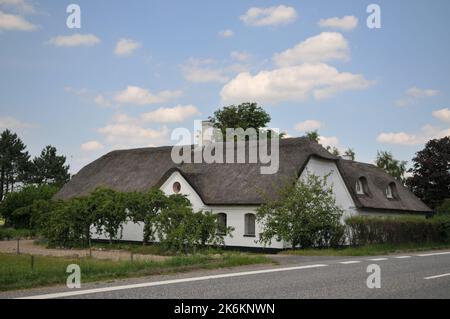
x=391, y=191
x=361, y=186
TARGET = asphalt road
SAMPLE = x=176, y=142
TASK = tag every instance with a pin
x=418, y=275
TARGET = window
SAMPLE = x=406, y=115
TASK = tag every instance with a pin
x=221, y=223
x=176, y=187
x=250, y=221
x=361, y=186
x=391, y=191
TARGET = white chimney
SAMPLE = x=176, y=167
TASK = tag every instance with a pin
x=207, y=133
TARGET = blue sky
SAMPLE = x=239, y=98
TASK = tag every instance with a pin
x=138, y=69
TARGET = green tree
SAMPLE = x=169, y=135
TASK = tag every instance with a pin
x=14, y=161
x=144, y=208
x=395, y=168
x=313, y=136
x=444, y=208
x=430, y=179
x=50, y=168
x=244, y=116
x=304, y=215
x=350, y=153
x=16, y=207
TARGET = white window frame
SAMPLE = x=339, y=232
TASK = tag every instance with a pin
x=247, y=225
x=359, y=187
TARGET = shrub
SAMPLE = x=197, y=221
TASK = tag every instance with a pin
x=305, y=215
x=444, y=208
x=364, y=230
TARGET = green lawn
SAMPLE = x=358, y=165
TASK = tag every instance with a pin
x=16, y=272
x=368, y=250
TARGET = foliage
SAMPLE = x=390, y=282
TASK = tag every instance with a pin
x=245, y=115
x=313, y=136
x=393, y=167
x=50, y=168
x=11, y=233
x=144, y=208
x=444, y=208
x=350, y=153
x=334, y=150
x=13, y=162
x=17, y=206
x=305, y=215
x=431, y=172
x=364, y=230
x=179, y=228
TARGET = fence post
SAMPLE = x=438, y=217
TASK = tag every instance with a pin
x=131, y=256
x=32, y=262
x=18, y=246
x=90, y=248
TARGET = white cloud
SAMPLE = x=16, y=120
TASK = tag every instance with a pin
x=201, y=71
x=443, y=115
x=240, y=56
x=324, y=47
x=346, y=23
x=226, y=33
x=309, y=125
x=331, y=141
x=140, y=96
x=74, y=40
x=18, y=5
x=269, y=16
x=176, y=114
x=92, y=146
x=414, y=94
x=102, y=101
x=11, y=123
x=296, y=83
x=427, y=133
x=125, y=47
x=12, y=22
x=129, y=133
x=75, y=91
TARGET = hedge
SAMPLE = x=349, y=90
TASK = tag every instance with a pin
x=363, y=230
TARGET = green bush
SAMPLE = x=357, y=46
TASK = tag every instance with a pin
x=11, y=233
x=444, y=209
x=363, y=230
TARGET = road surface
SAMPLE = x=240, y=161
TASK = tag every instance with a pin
x=417, y=275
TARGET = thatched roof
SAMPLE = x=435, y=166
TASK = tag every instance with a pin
x=219, y=184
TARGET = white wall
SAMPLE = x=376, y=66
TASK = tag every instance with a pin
x=323, y=168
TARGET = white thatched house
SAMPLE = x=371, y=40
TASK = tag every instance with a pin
x=234, y=191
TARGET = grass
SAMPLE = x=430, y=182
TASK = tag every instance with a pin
x=369, y=250
x=16, y=272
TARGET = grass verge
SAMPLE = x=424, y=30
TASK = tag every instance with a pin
x=16, y=272
x=369, y=250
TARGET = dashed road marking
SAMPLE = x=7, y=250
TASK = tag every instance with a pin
x=377, y=259
x=434, y=254
x=350, y=262
x=402, y=257
x=437, y=276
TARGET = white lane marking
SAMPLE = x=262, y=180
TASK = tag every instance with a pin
x=434, y=254
x=350, y=262
x=167, y=282
x=437, y=276
x=402, y=257
x=377, y=259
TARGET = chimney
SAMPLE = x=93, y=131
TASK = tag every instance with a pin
x=207, y=133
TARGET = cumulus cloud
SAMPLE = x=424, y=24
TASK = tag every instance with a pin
x=443, y=115
x=272, y=16
x=346, y=23
x=125, y=132
x=102, y=101
x=427, y=133
x=295, y=83
x=74, y=40
x=12, y=22
x=414, y=94
x=92, y=146
x=126, y=47
x=309, y=125
x=141, y=96
x=331, y=141
x=240, y=56
x=202, y=71
x=21, y=6
x=176, y=114
x=226, y=33
x=11, y=123
x=324, y=47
